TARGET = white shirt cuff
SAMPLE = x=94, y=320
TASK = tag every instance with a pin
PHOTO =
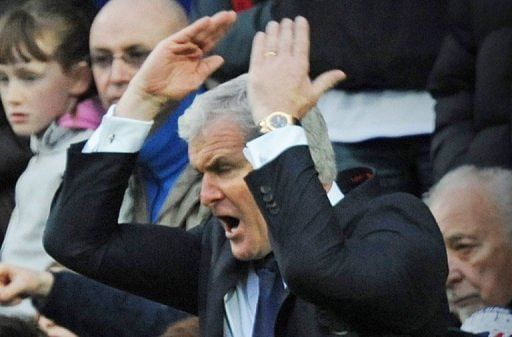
x=335, y=195
x=118, y=134
x=266, y=148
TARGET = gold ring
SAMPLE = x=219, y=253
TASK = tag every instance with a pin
x=270, y=53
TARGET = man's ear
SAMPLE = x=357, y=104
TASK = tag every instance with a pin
x=81, y=76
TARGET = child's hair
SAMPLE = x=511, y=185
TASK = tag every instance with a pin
x=65, y=22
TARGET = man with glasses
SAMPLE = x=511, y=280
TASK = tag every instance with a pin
x=120, y=40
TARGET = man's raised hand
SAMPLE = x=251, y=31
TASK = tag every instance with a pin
x=176, y=67
x=279, y=71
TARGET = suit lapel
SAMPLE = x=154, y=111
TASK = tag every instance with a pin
x=224, y=274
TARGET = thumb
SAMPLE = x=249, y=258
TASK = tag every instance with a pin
x=327, y=80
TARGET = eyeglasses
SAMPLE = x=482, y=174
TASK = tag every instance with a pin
x=134, y=58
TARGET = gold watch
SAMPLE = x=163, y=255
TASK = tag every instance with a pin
x=276, y=120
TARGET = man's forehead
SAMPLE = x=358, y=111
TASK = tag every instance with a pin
x=118, y=39
x=220, y=140
x=119, y=25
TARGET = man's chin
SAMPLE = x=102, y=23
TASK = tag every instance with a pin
x=244, y=254
x=468, y=310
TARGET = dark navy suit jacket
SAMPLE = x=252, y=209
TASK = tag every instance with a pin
x=370, y=266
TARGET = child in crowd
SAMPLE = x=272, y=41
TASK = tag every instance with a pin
x=44, y=75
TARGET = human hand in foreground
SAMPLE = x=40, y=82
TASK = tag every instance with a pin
x=52, y=329
x=177, y=66
x=279, y=71
x=17, y=283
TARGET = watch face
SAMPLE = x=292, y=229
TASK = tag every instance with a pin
x=278, y=121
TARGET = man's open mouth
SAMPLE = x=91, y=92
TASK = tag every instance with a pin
x=229, y=221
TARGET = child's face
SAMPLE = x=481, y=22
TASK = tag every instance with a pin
x=34, y=94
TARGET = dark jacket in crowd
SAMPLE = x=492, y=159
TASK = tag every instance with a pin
x=472, y=83
x=14, y=156
x=379, y=44
x=91, y=309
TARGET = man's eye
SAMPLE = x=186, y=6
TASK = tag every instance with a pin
x=464, y=249
x=224, y=169
x=102, y=61
x=136, y=57
x=4, y=79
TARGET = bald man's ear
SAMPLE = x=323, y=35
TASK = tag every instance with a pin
x=81, y=76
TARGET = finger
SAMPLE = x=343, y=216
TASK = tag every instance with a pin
x=258, y=50
x=219, y=25
x=188, y=33
x=271, y=38
x=188, y=49
x=285, y=37
x=209, y=64
x=327, y=80
x=301, y=38
x=222, y=23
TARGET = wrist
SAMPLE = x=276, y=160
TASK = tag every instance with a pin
x=135, y=105
x=45, y=282
x=277, y=120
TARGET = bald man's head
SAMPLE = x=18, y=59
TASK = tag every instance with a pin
x=122, y=35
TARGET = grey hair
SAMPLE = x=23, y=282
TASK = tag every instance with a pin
x=494, y=182
x=229, y=101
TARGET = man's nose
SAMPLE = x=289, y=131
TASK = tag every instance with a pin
x=14, y=93
x=455, y=271
x=121, y=72
x=210, y=191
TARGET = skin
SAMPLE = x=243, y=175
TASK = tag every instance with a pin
x=118, y=30
x=217, y=153
x=478, y=248
x=24, y=84
x=17, y=283
x=52, y=329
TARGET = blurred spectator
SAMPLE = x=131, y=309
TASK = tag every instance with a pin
x=235, y=47
x=471, y=83
x=43, y=75
x=15, y=153
x=472, y=208
x=381, y=115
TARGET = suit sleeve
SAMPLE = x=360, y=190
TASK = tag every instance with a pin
x=235, y=47
x=451, y=83
x=381, y=259
x=89, y=308
x=83, y=234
